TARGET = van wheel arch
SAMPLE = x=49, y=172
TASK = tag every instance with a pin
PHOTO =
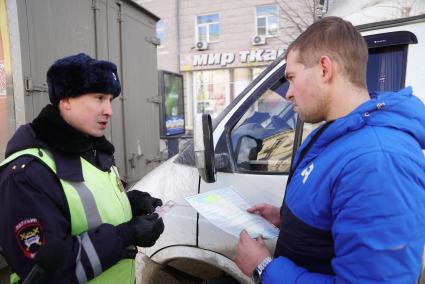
x=222, y=269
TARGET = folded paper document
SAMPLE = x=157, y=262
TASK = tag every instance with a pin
x=226, y=209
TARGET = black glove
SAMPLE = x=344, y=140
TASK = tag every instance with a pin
x=142, y=203
x=129, y=252
x=142, y=231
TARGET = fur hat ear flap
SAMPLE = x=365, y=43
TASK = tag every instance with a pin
x=80, y=74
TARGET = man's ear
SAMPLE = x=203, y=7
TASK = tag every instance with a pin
x=65, y=104
x=327, y=68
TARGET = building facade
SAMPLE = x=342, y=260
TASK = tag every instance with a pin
x=220, y=46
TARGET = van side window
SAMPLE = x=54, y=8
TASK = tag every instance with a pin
x=386, y=68
x=263, y=138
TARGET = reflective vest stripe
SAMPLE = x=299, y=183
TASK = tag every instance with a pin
x=89, y=204
x=80, y=273
x=91, y=254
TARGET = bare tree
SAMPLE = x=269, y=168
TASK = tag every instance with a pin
x=396, y=8
x=296, y=15
x=367, y=11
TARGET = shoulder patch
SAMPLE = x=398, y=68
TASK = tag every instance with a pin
x=30, y=236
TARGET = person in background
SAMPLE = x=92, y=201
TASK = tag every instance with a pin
x=354, y=205
x=59, y=183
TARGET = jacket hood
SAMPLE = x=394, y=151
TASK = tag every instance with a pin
x=399, y=110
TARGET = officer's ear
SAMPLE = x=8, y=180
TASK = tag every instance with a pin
x=64, y=104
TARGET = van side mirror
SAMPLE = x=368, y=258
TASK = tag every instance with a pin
x=204, y=147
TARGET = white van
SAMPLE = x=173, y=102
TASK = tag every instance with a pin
x=253, y=141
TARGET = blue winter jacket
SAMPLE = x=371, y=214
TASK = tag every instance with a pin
x=354, y=210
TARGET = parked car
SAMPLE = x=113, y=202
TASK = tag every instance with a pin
x=229, y=147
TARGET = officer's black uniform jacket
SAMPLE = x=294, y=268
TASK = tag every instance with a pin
x=34, y=207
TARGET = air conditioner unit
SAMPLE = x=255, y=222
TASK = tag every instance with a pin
x=258, y=40
x=201, y=45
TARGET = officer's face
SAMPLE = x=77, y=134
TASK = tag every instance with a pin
x=88, y=113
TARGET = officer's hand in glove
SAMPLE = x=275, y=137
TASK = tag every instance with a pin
x=142, y=203
x=145, y=230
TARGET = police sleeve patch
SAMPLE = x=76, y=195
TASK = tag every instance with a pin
x=30, y=236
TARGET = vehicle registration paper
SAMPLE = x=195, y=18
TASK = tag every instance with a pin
x=226, y=209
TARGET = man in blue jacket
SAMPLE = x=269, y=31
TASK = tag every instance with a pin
x=354, y=207
x=59, y=185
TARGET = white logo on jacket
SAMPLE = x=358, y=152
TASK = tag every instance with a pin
x=306, y=172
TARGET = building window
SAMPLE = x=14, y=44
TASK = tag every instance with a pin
x=208, y=28
x=160, y=32
x=267, y=20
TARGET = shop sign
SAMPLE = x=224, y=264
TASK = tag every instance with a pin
x=224, y=59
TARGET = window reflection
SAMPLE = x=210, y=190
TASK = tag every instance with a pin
x=211, y=89
x=160, y=33
x=262, y=140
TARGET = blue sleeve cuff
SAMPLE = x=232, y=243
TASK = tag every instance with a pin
x=282, y=270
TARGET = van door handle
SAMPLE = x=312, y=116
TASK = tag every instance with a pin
x=133, y=158
x=156, y=159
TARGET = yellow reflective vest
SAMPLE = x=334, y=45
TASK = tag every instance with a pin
x=99, y=199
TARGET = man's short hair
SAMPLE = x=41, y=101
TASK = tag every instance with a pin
x=338, y=39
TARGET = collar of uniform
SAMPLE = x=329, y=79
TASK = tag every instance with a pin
x=68, y=167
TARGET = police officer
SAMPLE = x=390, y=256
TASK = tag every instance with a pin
x=59, y=182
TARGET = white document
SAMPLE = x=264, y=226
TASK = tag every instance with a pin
x=226, y=209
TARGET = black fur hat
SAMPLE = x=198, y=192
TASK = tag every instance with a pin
x=80, y=74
